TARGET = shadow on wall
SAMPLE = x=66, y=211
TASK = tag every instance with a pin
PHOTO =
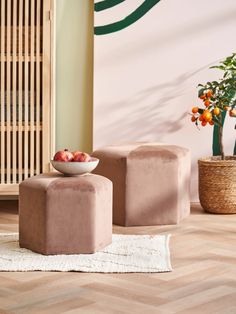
x=143, y=116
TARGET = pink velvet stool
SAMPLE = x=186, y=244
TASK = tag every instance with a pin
x=150, y=182
x=65, y=215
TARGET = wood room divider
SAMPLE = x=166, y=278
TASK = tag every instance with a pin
x=26, y=90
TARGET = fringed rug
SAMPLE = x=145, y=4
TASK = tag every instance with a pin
x=126, y=254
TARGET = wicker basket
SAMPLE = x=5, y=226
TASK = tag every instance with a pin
x=217, y=184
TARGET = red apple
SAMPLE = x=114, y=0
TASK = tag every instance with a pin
x=81, y=157
x=63, y=155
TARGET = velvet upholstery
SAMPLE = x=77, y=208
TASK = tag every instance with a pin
x=65, y=215
x=150, y=182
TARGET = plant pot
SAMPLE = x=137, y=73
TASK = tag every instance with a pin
x=217, y=184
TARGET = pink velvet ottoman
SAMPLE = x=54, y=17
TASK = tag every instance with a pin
x=150, y=182
x=65, y=215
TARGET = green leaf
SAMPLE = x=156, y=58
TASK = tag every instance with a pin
x=201, y=91
x=225, y=74
x=220, y=67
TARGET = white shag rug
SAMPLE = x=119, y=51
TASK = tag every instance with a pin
x=126, y=254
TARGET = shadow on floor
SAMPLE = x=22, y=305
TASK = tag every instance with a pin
x=9, y=206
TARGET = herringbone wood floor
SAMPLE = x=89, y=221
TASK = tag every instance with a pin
x=203, y=281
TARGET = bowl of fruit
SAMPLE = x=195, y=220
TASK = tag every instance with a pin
x=73, y=163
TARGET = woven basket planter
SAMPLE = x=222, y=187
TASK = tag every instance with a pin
x=217, y=184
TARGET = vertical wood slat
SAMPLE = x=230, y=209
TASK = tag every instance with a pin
x=46, y=85
x=26, y=98
x=52, y=79
x=32, y=98
x=20, y=88
x=38, y=15
x=14, y=91
x=2, y=91
x=8, y=77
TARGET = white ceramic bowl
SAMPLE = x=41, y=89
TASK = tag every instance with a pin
x=75, y=167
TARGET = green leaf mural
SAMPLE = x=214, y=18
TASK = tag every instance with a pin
x=106, y=4
x=127, y=21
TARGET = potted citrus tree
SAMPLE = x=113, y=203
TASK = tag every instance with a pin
x=217, y=174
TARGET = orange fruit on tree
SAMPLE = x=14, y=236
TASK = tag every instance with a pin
x=209, y=93
x=232, y=112
x=201, y=118
x=202, y=97
x=207, y=115
x=211, y=122
x=195, y=110
x=193, y=119
x=216, y=111
x=206, y=111
x=207, y=102
x=204, y=123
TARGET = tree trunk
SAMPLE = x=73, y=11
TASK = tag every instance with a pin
x=221, y=143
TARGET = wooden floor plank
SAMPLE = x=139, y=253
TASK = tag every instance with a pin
x=203, y=278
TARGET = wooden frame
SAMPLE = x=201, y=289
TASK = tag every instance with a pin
x=27, y=90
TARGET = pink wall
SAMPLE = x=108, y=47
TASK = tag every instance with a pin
x=146, y=75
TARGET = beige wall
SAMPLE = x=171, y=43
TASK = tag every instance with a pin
x=74, y=74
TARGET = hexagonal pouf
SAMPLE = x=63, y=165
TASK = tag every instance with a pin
x=150, y=182
x=65, y=215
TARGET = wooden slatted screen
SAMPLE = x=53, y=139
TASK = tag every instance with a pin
x=21, y=89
